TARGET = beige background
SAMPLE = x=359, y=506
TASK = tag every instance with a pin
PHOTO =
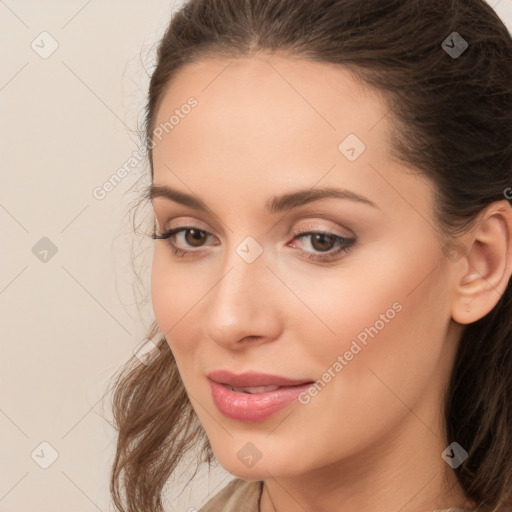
x=70, y=319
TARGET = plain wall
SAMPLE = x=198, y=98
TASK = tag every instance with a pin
x=71, y=309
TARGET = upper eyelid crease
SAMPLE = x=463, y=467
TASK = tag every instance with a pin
x=274, y=205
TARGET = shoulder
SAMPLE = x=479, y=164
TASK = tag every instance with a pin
x=237, y=496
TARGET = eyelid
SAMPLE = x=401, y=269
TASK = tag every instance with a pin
x=185, y=222
x=298, y=228
x=313, y=226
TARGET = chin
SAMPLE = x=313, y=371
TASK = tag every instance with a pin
x=261, y=469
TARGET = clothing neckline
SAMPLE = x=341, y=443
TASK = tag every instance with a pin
x=451, y=509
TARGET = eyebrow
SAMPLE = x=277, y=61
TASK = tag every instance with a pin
x=275, y=204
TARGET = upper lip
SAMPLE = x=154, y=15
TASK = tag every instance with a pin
x=249, y=379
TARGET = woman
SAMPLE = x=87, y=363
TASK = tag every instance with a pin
x=330, y=182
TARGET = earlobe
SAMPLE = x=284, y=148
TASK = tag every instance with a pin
x=486, y=265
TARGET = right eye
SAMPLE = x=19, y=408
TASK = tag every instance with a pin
x=197, y=235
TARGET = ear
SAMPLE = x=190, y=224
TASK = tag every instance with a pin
x=484, y=264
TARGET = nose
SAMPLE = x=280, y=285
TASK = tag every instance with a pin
x=242, y=306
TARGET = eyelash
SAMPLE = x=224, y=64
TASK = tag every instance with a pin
x=345, y=244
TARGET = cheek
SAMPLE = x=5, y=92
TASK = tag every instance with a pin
x=370, y=393
x=389, y=337
x=159, y=285
x=387, y=305
x=176, y=296
x=386, y=312
x=165, y=290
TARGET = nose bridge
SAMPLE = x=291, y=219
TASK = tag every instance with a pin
x=239, y=304
x=244, y=269
x=243, y=277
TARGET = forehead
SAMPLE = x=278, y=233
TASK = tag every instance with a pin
x=272, y=122
x=273, y=88
x=271, y=104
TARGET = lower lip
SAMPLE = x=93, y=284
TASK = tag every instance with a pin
x=254, y=406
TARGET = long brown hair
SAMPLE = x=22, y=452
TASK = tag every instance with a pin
x=453, y=120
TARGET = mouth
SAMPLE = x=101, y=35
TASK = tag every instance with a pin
x=249, y=398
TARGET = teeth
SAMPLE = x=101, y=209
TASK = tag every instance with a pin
x=252, y=389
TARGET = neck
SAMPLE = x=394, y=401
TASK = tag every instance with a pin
x=390, y=476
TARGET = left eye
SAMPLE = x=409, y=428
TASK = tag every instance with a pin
x=321, y=238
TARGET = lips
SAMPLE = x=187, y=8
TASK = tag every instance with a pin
x=253, y=396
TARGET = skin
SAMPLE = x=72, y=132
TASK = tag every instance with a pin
x=372, y=439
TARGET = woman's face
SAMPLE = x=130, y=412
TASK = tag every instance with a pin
x=367, y=314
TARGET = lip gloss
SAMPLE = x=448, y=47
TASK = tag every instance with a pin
x=253, y=407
